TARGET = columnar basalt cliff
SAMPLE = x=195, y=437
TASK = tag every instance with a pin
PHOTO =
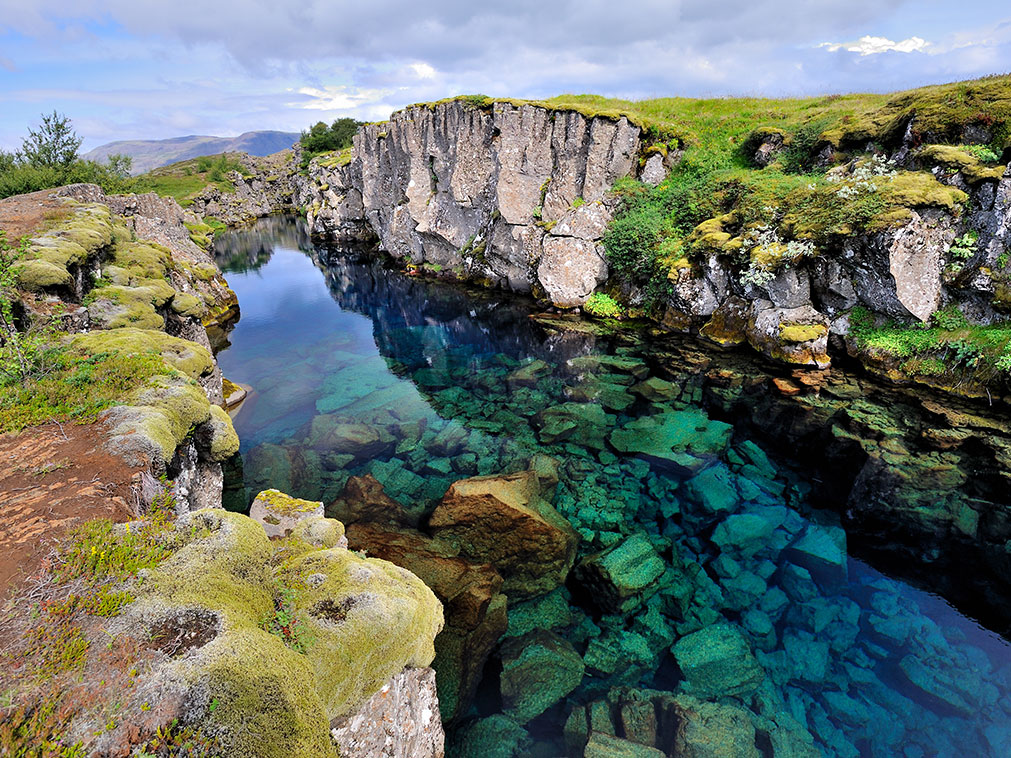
x=508, y=195
x=865, y=212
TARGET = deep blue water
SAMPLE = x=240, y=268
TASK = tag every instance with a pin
x=868, y=664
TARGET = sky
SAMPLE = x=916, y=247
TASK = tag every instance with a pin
x=134, y=69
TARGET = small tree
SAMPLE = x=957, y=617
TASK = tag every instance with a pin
x=53, y=145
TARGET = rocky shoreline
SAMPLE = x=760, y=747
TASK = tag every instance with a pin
x=126, y=279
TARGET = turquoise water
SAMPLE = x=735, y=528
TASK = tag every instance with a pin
x=440, y=383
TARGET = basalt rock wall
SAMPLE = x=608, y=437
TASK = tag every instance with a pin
x=506, y=195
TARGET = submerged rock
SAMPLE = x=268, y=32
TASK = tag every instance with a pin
x=717, y=662
x=622, y=577
x=711, y=730
x=474, y=608
x=538, y=670
x=504, y=520
x=607, y=746
x=680, y=438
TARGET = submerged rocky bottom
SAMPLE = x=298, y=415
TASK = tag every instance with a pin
x=713, y=608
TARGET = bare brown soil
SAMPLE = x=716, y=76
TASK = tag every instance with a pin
x=22, y=215
x=52, y=478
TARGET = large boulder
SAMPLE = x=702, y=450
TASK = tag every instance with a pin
x=363, y=499
x=474, y=607
x=678, y=439
x=717, y=662
x=621, y=578
x=504, y=520
x=538, y=670
x=711, y=730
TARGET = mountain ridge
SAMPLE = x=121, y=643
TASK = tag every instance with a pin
x=151, y=154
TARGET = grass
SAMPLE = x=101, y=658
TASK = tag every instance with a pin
x=794, y=199
x=74, y=387
x=91, y=579
x=185, y=179
x=947, y=346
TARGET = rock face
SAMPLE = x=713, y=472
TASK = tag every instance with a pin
x=538, y=670
x=265, y=187
x=505, y=521
x=399, y=721
x=474, y=606
x=510, y=195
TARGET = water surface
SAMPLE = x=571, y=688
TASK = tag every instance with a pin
x=458, y=383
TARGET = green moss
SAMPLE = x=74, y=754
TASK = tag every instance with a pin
x=224, y=440
x=335, y=158
x=37, y=275
x=801, y=332
x=186, y=304
x=369, y=619
x=600, y=305
x=182, y=355
x=957, y=158
x=972, y=355
x=284, y=504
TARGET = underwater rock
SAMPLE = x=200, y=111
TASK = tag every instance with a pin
x=711, y=730
x=717, y=662
x=746, y=533
x=538, y=670
x=328, y=432
x=621, y=578
x=474, y=608
x=551, y=611
x=713, y=490
x=676, y=437
x=528, y=375
x=606, y=746
x=363, y=499
x=280, y=513
x=583, y=423
x=822, y=551
x=493, y=737
x=504, y=520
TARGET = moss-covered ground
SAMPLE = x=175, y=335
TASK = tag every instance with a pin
x=948, y=352
x=717, y=199
x=185, y=179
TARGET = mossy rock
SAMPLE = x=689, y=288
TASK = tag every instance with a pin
x=365, y=621
x=37, y=275
x=182, y=355
x=953, y=158
x=801, y=332
x=186, y=304
x=224, y=441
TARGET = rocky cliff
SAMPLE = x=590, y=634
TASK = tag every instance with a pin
x=885, y=211
x=222, y=641
x=511, y=195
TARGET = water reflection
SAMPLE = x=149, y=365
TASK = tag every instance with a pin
x=753, y=600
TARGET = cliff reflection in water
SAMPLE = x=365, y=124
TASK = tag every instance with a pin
x=723, y=583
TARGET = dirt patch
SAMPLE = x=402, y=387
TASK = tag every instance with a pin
x=177, y=634
x=52, y=478
x=22, y=215
x=336, y=612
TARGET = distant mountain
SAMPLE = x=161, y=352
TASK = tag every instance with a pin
x=149, y=154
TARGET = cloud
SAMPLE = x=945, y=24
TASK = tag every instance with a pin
x=8, y=64
x=337, y=98
x=130, y=66
x=867, y=45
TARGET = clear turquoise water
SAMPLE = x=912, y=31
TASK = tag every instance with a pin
x=869, y=665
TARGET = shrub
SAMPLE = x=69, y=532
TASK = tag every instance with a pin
x=321, y=138
x=603, y=306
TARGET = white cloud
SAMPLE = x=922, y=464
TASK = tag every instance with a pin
x=337, y=98
x=868, y=45
x=423, y=70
